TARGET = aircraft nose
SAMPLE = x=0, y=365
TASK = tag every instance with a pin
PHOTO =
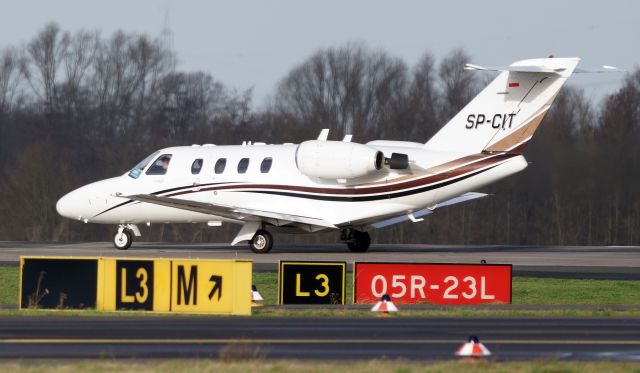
x=87, y=201
x=69, y=206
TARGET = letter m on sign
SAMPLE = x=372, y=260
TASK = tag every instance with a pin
x=188, y=290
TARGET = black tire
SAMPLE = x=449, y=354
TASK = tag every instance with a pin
x=360, y=243
x=262, y=242
x=123, y=242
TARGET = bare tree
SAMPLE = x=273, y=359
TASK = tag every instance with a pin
x=10, y=94
x=422, y=100
x=46, y=52
x=9, y=79
x=458, y=86
x=350, y=89
x=79, y=56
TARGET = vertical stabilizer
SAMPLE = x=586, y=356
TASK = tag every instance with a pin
x=505, y=115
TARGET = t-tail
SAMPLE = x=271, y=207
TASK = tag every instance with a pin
x=506, y=114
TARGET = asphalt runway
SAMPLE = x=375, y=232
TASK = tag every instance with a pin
x=603, y=262
x=316, y=338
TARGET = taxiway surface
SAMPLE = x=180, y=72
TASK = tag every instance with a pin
x=611, y=262
x=316, y=338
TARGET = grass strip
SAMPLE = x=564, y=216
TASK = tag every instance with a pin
x=234, y=363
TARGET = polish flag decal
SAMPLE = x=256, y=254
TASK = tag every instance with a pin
x=514, y=85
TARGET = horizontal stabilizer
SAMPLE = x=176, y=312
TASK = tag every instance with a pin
x=603, y=69
x=424, y=212
x=542, y=69
x=520, y=69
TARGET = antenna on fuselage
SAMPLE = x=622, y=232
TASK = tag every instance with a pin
x=324, y=134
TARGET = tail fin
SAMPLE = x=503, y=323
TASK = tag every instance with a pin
x=505, y=115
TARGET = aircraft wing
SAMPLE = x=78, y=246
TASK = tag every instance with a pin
x=231, y=212
x=428, y=211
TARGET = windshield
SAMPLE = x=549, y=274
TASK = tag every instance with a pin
x=137, y=170
x=160, y=166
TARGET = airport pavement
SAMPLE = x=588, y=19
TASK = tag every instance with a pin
x=316, y=338
x=604, y=262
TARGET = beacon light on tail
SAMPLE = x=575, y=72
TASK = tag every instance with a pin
x=322, y=185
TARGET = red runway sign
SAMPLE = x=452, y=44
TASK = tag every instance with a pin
x=432, y=283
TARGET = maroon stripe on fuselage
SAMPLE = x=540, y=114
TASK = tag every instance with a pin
x=418, y=182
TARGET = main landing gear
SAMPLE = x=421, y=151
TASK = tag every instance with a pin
x=124, y=236
x=262, y=242
x=357, y=241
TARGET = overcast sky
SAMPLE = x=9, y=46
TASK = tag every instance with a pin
x=248, y=44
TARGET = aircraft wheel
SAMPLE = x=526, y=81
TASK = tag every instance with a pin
x=262, y=242
x=123, y=239
x=360, y=243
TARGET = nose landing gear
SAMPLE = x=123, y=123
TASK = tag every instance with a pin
x=124, y=236
x=123, y=239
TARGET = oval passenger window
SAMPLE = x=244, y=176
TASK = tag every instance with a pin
x=265, y=166
x=196, y=167
x=243, y=165
x=220, y=165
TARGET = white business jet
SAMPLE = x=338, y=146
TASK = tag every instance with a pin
x=320, y=184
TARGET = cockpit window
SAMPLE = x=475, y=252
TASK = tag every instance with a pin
x=160, y=165
x=196, y=167
x=137, y=170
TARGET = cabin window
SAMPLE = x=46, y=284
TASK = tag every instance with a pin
x=137, y=170
x=220, y=165
x=196, y=167
x=265, y=166
x=160, y=165
x=243, y=165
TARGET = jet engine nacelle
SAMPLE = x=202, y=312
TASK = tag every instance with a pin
x=337, y=159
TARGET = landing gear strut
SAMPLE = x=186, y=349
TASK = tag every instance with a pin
x=123, y=238
x=357, y=241
x=262, y=242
